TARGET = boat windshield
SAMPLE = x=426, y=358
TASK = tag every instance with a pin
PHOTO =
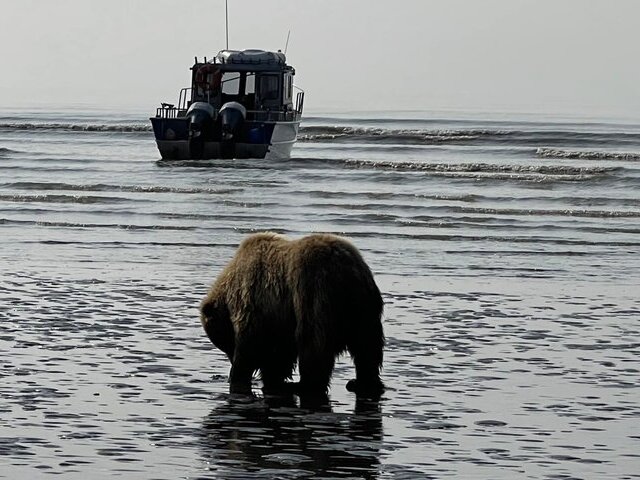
x=231, y=83
x=268, y=87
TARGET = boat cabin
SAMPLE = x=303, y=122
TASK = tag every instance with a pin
x=259, y=80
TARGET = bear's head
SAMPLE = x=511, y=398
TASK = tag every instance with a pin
x=217, y=323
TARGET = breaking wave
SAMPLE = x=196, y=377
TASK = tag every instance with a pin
x=585, y=213
x=45, y=198
x=102, y=187
x=81, y=127
x=121, y=226
x=486, y=168
x=472, y=136
x=581, y=155
x=382, y=135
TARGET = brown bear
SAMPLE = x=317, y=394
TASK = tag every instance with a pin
x=280, y=302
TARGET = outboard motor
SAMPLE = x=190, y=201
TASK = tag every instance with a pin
x=232, y=116
x=200, y=118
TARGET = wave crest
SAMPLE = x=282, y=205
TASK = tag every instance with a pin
x=483, y=168
x=382, y=135
x=585, y=155
x=81, y=127
x=104, y=187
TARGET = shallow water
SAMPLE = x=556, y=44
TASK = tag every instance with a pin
x=507, y=251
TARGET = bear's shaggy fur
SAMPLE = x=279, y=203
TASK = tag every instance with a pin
x=280, y=302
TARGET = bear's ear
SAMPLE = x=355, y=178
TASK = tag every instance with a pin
x=208, y=309
x=215, y=313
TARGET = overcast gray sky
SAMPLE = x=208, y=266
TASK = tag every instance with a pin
x=556, y=56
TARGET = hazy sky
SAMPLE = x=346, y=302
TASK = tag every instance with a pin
x=556, y=56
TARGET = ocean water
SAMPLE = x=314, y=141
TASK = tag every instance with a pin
x=507, y=249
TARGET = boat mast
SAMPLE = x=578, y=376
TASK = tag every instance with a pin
x=226, y=23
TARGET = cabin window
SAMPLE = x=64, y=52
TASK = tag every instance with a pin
x=231, y=83
x=250, y=86
x=289, y=90
x=269, y=87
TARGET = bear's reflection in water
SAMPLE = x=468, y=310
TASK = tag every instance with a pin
x=273, y=438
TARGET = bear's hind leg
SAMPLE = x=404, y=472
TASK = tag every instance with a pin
x=315, y=368
x=366, y=350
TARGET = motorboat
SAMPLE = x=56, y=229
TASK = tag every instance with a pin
x=241, y=104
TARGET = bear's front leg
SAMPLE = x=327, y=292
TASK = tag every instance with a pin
x=242, y=367
x=240, y=379
x=277, y=368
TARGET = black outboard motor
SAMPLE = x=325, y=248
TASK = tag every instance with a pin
x=232, y=116
x=200, y=117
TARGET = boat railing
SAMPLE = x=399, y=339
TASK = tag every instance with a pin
x=166, y=110
x=169, y=110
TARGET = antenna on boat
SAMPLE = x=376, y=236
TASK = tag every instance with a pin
x=287, y=44
x=226, y=23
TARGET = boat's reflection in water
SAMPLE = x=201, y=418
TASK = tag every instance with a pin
x=273, y=438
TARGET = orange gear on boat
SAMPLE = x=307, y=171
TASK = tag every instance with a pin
x=211, y=83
